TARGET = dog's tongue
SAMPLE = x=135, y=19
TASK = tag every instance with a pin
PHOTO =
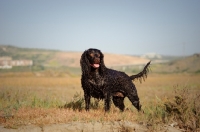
x=96, y=65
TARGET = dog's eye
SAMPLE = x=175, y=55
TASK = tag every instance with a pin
x=92, y=55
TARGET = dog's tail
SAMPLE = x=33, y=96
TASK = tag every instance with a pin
x=143, y=74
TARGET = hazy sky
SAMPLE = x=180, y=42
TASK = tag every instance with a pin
x=169, y=27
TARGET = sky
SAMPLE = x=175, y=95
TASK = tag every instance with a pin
x=135, y=27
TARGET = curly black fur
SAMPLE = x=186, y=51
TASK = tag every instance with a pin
x=101, y=82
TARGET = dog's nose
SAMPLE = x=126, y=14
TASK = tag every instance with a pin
x=97, y=60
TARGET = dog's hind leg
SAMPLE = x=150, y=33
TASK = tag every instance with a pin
x=119, y=102
x=134, y=100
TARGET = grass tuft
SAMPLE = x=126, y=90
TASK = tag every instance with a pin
x=78, y=103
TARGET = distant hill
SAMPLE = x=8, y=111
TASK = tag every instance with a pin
x=55, y=58
x=44, y=59
x=190, y=64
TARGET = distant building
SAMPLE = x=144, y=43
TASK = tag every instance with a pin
x=21, y=62
x=8, y=63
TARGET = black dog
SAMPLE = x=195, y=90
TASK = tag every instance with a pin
x=104, y=83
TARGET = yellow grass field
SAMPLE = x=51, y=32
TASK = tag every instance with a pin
x=66, y=87
x=21, y=97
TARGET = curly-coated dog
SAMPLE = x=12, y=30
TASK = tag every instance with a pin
x=101, y=82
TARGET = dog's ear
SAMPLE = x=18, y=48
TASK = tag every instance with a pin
x=85, y=65
x=102, y=66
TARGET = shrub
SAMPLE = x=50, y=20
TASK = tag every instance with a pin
x=183, y=108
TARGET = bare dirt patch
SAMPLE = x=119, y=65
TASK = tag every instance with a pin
x=116, y=126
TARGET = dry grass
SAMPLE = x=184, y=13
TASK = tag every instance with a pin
x=42, y=116
x=61, y=87
x=40, y=100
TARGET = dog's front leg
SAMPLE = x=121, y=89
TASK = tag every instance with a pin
x=87, y=101
x=107, y=101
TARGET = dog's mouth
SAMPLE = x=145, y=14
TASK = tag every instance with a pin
x=95, y=65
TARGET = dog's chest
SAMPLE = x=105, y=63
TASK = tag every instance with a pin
x=97, y=82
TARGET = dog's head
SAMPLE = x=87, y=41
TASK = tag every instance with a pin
x=92, y=59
